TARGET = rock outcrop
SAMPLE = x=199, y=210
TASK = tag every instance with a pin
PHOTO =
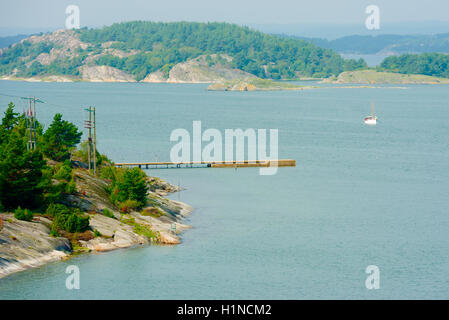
x=377, y=77
x=26, y=245
x=203, y=69
x=104, y=74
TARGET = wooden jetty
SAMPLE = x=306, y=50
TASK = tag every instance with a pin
x=211, y=164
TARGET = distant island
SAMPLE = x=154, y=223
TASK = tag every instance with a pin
x=252, y=84
x=135, y=51
x=189, y=52
x=385, y=43
x=382, y=77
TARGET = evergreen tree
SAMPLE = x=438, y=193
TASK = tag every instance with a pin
x=10, y=119
x=20, y=174
x=129, y=184
x=60, y=137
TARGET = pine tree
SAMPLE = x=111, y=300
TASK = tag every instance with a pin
x=60, y=137
x=10, y=119
x=20, y=174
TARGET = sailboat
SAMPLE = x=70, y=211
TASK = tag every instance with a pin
x=371, y=120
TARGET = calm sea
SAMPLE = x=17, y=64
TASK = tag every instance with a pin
x=358, y=196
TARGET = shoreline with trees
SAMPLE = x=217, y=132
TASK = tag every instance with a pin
x=52, y=207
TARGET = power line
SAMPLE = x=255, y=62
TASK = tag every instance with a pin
x=19, y=97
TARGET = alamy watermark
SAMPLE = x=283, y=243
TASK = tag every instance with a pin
x=372, y=22
x=373, y=279
x=72, y=20
x=73, y=280
x=188, y=149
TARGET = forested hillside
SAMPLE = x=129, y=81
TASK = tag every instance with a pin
x=387, y=43
x=431, y=64
x=139, y=48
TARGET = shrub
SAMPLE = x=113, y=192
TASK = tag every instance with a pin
x=60, y=137
x=55, y=208
x=23, y=214
x=129, y=205
x=97, y=233
x=152, y=212
x=70, y=187
x=106, y=212
x=64, y=172
x=68, y=220
x=145, y=231
x=127, y=184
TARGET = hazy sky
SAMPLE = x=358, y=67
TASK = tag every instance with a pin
x=50, y=14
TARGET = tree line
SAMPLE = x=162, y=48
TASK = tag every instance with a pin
x=264, y=55
x=431, y=64
x=38, y=181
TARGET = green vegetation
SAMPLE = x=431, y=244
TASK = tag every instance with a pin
x=145, y=231
x=17, y=56
x=106, y=212
x=141, y=229
x=378, y=77
x=153, y=46
x=82, y=154
x=9, y=40
x=60, y=138
x=162, y=44
x=254, y=84
x=431, y=64
x=70, y=220
x=129, y=205
x=24, y=53
x=128, y=187
x=23, y=214
x=152, y=212
x=25, y=178
x=22, y=179
x=29, y=180
x=386, y=42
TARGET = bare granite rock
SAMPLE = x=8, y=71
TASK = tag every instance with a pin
x=29, y=244
x=105, y=74
x=203, y=69
x=25, y=244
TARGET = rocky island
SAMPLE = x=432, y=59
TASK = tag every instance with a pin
x=232, y=56
x=255, y=84
x=382, y=77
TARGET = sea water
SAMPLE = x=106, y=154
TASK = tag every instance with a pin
x=358, y=196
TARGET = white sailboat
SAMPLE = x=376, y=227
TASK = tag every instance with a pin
x=371, y=120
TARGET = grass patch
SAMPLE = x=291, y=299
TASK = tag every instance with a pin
x=77, y=249
x=106, y=212
x=141, y=229
x=152, y=212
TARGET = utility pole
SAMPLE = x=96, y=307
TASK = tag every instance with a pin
x=33, y=118
x=88, y=125
x=95, y=146
x=30, y=127
x=91, y=141
x=31, y=122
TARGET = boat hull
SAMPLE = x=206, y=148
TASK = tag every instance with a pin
x=370, y=121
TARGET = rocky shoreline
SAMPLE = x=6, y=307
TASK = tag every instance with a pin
x=379, y=77
x=25, y=245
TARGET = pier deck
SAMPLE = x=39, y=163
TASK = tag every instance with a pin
x=210, y=164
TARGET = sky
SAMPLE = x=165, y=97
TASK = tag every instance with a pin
x=301, y=17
